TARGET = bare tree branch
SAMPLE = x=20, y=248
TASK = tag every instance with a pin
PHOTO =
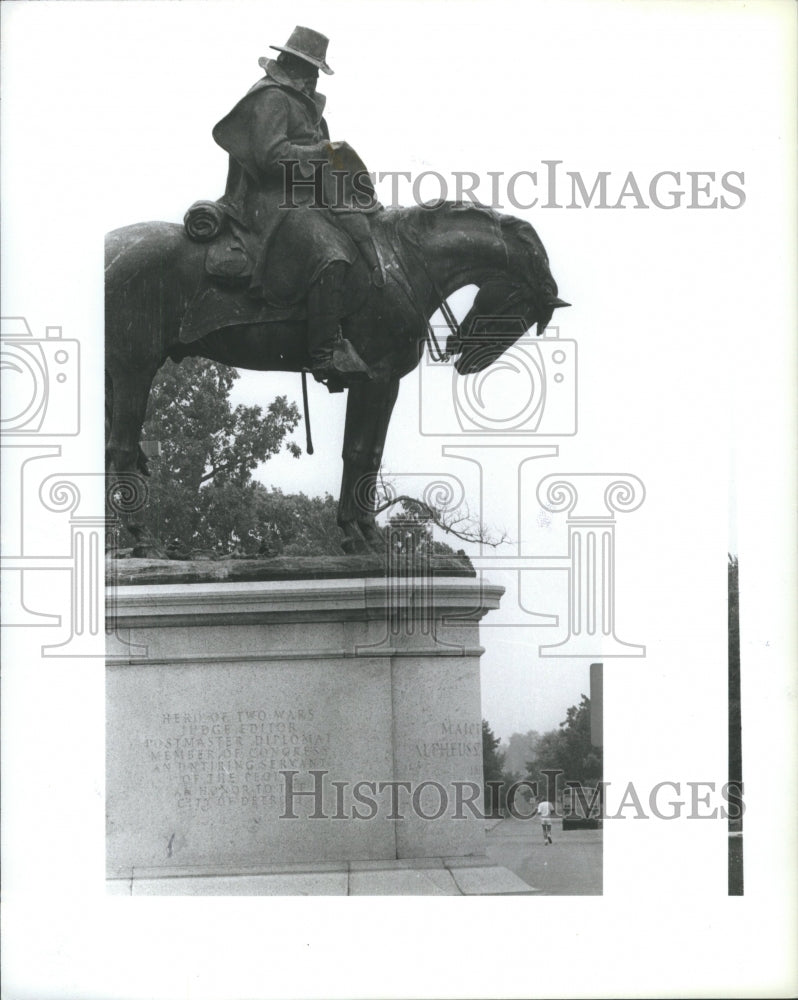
x=463, y=527
x=222, y=467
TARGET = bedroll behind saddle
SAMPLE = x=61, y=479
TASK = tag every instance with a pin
x=228, y=256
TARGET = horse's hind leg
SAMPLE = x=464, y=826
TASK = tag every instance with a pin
x=126, y=395
x=126, y=406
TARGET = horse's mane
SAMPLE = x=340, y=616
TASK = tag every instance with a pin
x=433, y=213
x=419, y=218
x=526, y=234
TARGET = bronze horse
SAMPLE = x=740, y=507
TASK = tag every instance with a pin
x=154, y=271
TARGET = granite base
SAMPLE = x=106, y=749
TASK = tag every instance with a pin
x=295, y=722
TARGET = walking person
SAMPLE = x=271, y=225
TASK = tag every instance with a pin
x=545, y=812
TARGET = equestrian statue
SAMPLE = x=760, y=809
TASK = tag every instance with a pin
x=298, y=267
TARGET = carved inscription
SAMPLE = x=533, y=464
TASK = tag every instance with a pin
x=217, y=760
x=457, y=739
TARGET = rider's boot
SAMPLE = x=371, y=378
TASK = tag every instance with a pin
x=333, y=359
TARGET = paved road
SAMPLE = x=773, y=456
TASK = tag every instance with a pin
x=571, y=866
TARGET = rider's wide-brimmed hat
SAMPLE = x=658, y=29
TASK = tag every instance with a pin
x=307, y=44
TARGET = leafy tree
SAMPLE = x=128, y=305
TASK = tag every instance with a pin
x=492, y=765
x=520, y=749
x=295, y=524
x=201, y=489
x=568, y=749
x=494, y=770
x=202, y=495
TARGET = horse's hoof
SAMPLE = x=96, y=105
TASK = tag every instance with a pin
x=355, y=547
x=375, y=547
x=148, y=552
x=374, y=539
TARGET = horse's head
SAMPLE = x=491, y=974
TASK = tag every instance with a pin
x=509, y=303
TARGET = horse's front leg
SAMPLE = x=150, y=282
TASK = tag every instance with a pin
x=368, y=413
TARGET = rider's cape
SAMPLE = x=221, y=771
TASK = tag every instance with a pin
x=272, y=122
x=275, y=122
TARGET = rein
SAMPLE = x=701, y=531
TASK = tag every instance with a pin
x=436, y=353
x=451, y=322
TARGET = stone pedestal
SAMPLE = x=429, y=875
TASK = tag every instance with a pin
x=317, y=735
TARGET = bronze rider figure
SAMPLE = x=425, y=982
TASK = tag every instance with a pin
x=277, y=131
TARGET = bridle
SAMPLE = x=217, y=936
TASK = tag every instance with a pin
x=436, y=353
x=402, y=279
x=456, y=339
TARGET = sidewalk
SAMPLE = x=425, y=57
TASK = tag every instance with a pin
x=571, y=866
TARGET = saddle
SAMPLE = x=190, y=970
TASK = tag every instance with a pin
x=215, y=307
x=225, y=296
